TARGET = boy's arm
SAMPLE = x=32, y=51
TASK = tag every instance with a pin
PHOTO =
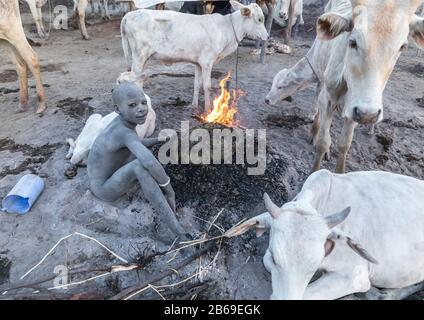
x=149, y=142
x=147, y=159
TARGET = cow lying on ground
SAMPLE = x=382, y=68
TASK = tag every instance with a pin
x=95, y=124
x=353, y=57
x=13, y=39
x=176, y=37
x=363, y=229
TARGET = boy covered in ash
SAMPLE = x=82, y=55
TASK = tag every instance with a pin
x=118, y=158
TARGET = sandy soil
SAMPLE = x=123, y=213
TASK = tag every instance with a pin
x=79, y=76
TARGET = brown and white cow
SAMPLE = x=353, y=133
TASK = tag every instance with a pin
x=13, y=39
x=358, y=45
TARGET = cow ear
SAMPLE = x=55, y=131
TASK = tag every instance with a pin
x=236, y=5
x=329, y=246
x=245, y=12
x=417, y=31
x=261, y=223
x=338, y=236
x=330, y=25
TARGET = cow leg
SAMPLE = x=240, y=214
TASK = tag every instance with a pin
x=140, y=58
x=82, y=6
x=394, y=294
x=268, y=26
x=40, y=15
x=315, y=128
x=33, y=7
x=335, y=285
x=206, y=77
x=323, y=141
x=26, y=53
x=105, y=10
x=197, y=85
x=315, y=125
x=344, y=144
x=22, y=70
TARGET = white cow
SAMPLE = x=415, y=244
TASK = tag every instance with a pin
x=356, y=50
x=13, y=39
x=80, y=7
x=80, y=148
x=176, y=37
x=363, y=229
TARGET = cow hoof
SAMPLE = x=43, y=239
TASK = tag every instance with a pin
x=71, y=172
x=87, y=37
x=327, y=156
x=40, y=111
x=21, y=110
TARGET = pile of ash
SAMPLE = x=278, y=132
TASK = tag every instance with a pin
x=212, y=187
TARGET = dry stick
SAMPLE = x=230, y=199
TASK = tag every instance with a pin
x=107, y=271
x=66, y=237
x=180, y=282
x=159, y=276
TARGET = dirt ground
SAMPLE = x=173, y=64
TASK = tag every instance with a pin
x=79, y=76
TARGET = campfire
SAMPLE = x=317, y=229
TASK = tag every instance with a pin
x=225, y=105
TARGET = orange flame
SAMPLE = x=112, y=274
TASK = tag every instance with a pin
x=224, y=108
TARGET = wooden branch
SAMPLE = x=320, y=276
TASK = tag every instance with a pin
x=161, y=275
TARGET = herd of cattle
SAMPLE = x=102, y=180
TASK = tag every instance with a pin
x=363, y=229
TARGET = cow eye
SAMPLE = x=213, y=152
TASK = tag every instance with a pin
x=261, y=20
x=132, y=105
x=353, y=44
x=404, y=47
x=144, y=102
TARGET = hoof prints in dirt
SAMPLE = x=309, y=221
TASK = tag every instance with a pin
x=5, y=265
x=10, y=75
x=287, y=121
x=36, y=156
x=76, y=108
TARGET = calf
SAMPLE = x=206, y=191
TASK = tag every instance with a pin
x=200, y=40
x=289, y=81
x=95, y=124
x=363, y=229
x=357, y=48
x=13, y=39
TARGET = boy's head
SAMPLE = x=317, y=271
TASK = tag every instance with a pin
x=130, y=102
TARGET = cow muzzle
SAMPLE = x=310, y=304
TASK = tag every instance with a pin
x=365, y=118
x=283, y=15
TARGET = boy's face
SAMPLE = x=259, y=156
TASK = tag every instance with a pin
x=132, y=104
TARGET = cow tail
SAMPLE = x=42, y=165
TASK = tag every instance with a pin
x=126, y=45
